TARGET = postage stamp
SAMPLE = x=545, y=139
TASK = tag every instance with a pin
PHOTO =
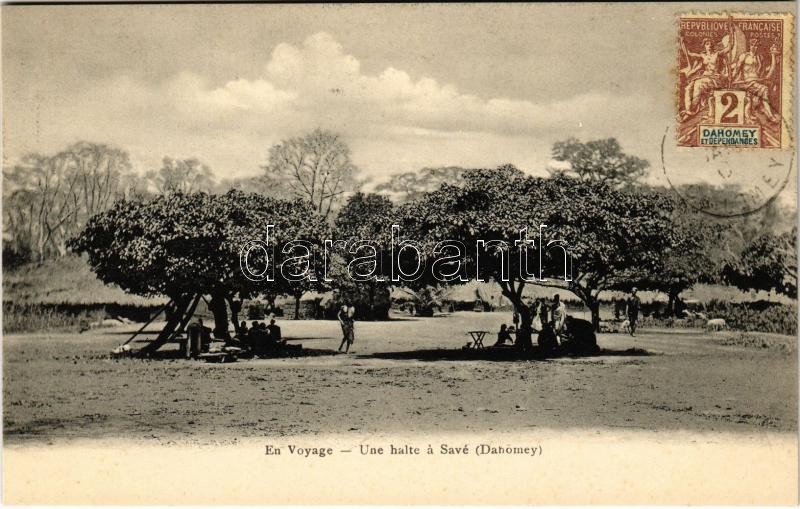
x=734, y=80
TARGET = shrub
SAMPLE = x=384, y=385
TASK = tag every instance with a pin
x=13, y=258
x=758, y=316
x=256, y=311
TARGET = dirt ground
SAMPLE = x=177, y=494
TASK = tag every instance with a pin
x=61, y=387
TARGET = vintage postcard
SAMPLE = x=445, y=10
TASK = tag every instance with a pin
x=318, y=254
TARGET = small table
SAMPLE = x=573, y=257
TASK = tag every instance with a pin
x=477, y=337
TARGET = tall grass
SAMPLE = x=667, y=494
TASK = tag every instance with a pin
x=31, y=317
x=37, y=317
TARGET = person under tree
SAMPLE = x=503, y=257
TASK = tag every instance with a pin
x=634, y=304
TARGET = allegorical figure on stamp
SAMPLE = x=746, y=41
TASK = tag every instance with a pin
x=749, y=73
x=710, y=61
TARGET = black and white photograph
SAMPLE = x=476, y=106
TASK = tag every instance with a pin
x=428, y=254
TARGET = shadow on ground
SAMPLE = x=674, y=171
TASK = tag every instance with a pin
x=176, y=354
x=434, y=354
x=495, y=354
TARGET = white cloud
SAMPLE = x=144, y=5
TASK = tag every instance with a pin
x=392, y=120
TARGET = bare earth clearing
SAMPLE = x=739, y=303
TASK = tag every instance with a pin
x=63, y=386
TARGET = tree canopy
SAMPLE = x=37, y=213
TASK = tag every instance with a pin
x=768, y=263
x=185, y=245
x=598, y=161
x=610, y=235
x=696, y=255
x=363, y=223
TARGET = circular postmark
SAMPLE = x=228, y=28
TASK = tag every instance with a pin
x=726, y=182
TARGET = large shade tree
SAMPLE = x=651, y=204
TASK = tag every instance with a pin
x=366, y=223
x=696, y=256
x=363, y=233
x=612, y=236
x=768, y=263
x=187, y=246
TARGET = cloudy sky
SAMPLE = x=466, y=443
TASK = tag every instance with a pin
x=407, y=86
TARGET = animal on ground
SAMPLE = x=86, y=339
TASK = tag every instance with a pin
x=716, y=324
x=121, y=351
x=105, y=322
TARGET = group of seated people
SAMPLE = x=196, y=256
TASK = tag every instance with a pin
x=261, y=339
x=546, y=315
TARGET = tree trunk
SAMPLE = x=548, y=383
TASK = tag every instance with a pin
x=236, y=307
x=219, y=308
x=524, y=339
x=371, y=300
x=594, y=308
x=297, y=306
x=525, y=332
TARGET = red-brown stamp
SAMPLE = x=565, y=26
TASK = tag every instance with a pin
x=734, y=80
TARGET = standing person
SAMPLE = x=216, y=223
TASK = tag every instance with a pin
x=346, y=318
x=199, y=337
x=205, y=336
x=559, y=315
x=351, y=316
x=633, y=310
x=236, y=307
x=543, y=313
